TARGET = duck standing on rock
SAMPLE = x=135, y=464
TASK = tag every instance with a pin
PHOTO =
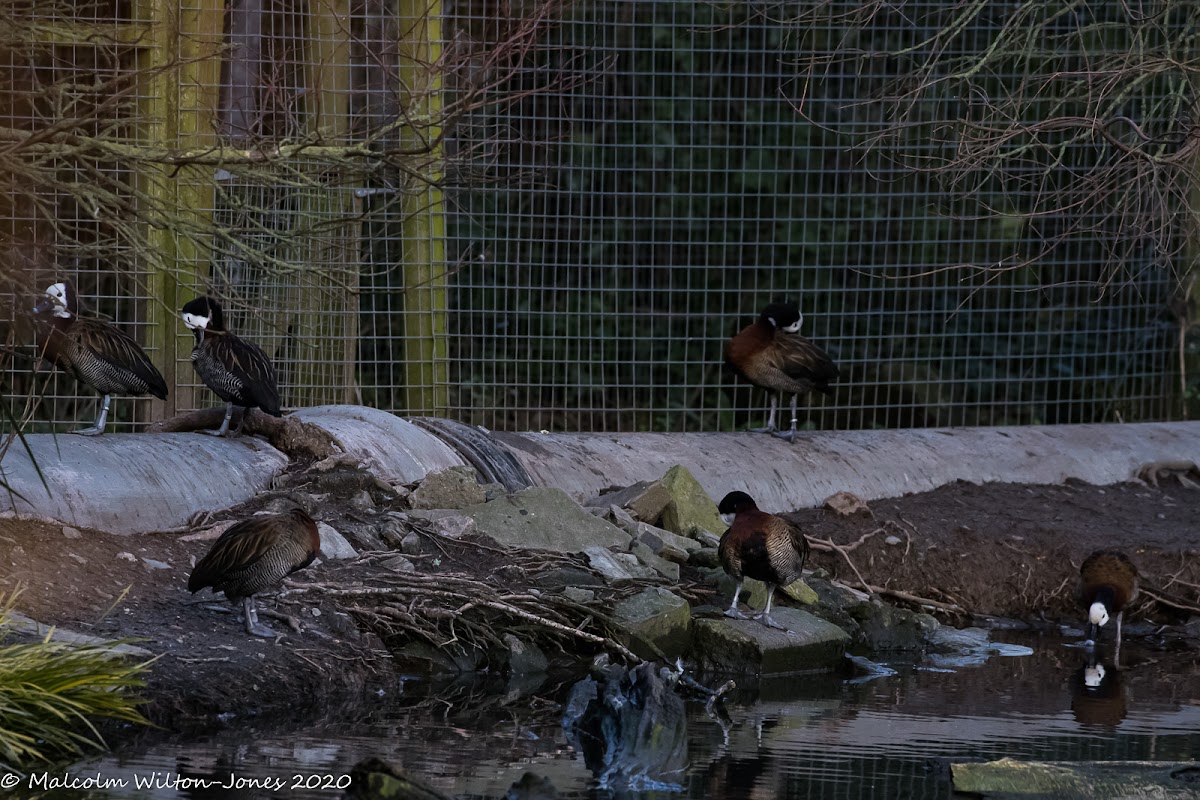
x=761, y=546
x=255, y=554
x=1107, y=584
x=238, y=371
x=773, y=355
x=94, y=352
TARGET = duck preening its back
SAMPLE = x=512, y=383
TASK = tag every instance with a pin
x=254, y=555
x=771, y=354
x=761, y=546
x=94, y=352
x=237, y=371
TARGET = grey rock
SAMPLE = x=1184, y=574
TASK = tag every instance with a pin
x=616, y=566
x=391, y=528
x=365, y=536
x=71, y=533
x=654, y=616
x=633, y=726
x=867, y=670
x=455, y=487
x=704, y=559
x=657, y=538
x=362, y=501
x=645, y=500
x=333, y=544
x=579, y=595
x=708, y=539
x=446, y=522
x=491, y=491
x=398, y=564
x=749, y=646
x=424, y=657
x=884, y=627
x=410, y=545
x=690, y=508
x=622, y=519
x=544, y=518
x=19, y=622
x=524, y=657
x=155, y=564
x=674, y=555
x=956, y=640
x=454, y=527
x=532, y=787
x=570, y=576
x=967, y=647
x=651, y=559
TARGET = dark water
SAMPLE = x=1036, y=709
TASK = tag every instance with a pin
x=793, y=737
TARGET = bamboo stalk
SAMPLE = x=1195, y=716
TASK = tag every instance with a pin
x=425, y=291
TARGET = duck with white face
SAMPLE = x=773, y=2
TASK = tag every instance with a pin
x=773, y=355
x=1108, y=583
x=97, y=354
x=237, y=371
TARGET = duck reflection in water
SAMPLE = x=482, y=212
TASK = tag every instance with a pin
x=1098, y=694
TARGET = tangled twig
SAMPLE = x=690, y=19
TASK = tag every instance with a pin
x=449, y=608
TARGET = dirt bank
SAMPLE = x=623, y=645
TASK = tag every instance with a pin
x=1014, y=550
x=1004, y=550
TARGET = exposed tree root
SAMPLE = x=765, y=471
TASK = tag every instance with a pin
x=453, y=610
x=300, y=441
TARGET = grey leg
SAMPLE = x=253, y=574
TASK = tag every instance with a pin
x=253, y=626
x=224, y=429
x=97, y=427
x=1117, y=651
x=733, y=609
x=770, y=418
x=765, y=616
x=791, y=434
x=242, y=421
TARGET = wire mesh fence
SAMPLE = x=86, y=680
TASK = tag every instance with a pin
x=553, y=216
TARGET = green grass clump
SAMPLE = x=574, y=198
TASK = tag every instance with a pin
x=52, y=694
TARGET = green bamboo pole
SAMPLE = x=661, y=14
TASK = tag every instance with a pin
x=425, y=294
x=176, y=80
x=330, y=371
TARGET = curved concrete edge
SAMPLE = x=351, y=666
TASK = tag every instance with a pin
x=871, y=464
x=394, y=449
x=134, y=482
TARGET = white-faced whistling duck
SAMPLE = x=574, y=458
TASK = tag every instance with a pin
x=255, y=554
x=761, y=546
x=773, y=355
x=1107, y=584
x=238, y=371
x=96, y=353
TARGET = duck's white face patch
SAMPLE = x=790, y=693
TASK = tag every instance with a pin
x=795, y=326
x=195, y=322
x=1093, y=676
x=57, y=292
x=728, y=518
x=1098, y=614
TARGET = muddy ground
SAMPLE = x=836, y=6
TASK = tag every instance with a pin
x=1005, y=550
x=1012, y=550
